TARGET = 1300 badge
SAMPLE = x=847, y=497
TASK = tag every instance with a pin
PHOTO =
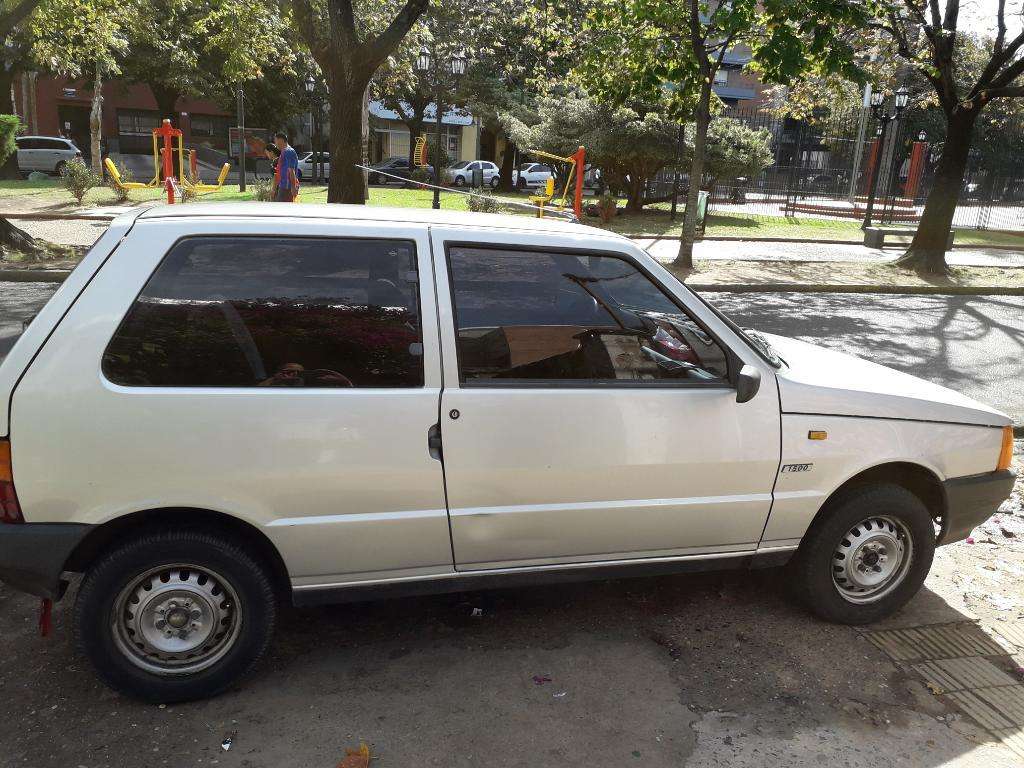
x=797, y=467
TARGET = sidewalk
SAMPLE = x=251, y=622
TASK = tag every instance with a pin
x=665, y=249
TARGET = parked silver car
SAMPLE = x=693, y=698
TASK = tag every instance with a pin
x=47, y=154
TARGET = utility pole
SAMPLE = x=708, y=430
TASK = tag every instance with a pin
x=241, y=140
x=858, y=152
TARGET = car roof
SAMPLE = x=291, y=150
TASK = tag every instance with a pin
x=58, y=138
x=363, y=213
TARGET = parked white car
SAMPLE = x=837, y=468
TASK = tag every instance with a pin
x=226, y=406
x=307, y=171
x=530, y=175
x=47, y=154
x=461, y=173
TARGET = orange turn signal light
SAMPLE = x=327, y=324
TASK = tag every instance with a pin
x=817, y=434
x=1006, y=451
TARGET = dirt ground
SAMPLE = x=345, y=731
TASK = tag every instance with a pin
x=698, y=671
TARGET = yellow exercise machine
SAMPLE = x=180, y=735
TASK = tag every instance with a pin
x=165, y=157
x=575, y=161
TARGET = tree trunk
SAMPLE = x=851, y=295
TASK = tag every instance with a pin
x=508, y=160
x=14, y=239
x=684, y=260
x=635, y=194
x=9, y=170
x=364, y=141
x=927, y=251
x=96, y=122
x=166, y=100
x=346, y=185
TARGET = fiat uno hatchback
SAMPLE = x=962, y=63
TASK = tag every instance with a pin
x=224, y=406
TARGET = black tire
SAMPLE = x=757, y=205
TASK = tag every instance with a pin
x=521, y=185
x=495, y=181
x=59, y=169
x=821, y=550
x=256, y=612
x=374, y=179
x=460, y=181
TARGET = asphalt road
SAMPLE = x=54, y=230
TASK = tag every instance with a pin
x=973, y=344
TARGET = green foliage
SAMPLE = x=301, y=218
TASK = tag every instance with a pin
x=9, y=127
x=437, y=155
x=421, y=175
x=483, y=202
x=735, y=150
x=121, y=193
x=629, y=147
x=78, y=178
x=264, y=189
x=607, y=207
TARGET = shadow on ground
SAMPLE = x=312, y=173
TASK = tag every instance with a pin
x=699, y=670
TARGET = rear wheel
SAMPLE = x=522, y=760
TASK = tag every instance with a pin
x=59, y=169
x=495, y=181
x=175, y=616
x=460, y=181
x=866, y=556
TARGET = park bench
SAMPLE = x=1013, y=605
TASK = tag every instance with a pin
x=874, y=237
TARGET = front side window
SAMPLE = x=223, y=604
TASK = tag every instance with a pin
x=274, y=312
x=535, y=316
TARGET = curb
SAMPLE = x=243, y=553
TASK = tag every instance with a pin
x=740, y=239
x=923, y=290
x=33, y=216
x=34, y=275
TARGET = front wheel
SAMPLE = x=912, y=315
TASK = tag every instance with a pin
x=866, y=556
x=495, y=181
x=175, y=616
x=59, y=168
x=460, y=181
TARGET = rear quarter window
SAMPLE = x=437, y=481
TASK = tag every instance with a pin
x=274, y=312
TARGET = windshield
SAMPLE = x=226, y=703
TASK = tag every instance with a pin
x=754, y=340
x=463, y=164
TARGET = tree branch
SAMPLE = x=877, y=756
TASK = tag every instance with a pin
x=379, y=48
x=9, y=21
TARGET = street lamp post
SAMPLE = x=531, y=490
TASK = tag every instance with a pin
x=315, y=126
x=430, y=62
x=885, y=117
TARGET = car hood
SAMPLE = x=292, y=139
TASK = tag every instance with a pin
x=819, y=380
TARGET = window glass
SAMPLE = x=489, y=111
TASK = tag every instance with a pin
x=53, y=144
x=274, y=312
x=536, y=316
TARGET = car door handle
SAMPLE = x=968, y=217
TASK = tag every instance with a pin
x=434, y=442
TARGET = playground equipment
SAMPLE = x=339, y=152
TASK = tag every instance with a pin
x=575, y=161
x=419, y=154
x=165, y=156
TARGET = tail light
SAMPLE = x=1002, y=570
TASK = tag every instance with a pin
x=10, y=511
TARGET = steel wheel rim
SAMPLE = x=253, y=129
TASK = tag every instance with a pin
x=176, y=619
x=872, y=559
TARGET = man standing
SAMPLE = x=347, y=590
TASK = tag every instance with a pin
x=288, y=171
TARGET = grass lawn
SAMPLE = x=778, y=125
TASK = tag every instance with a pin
x=653, y=222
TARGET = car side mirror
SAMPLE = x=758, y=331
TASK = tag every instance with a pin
x=748, y=381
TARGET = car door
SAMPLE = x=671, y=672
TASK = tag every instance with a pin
x=587, y=413
x=280, y=372
x=28, y=154
x=52, y=153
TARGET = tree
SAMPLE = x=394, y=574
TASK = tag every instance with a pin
x=926, y=36
x=629, y=147
x=82, y=37
x=349, y=49
x=734, y=150
x=668, y=50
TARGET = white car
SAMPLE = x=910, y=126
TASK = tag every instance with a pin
x=229, y=404
x=461, y=173
x=307, y=170
x=47, y=154
x=530, y=175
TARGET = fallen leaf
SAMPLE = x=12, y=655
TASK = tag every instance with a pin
x=356, y=758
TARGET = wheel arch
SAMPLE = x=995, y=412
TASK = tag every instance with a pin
x=99, y=540
x=916, y=478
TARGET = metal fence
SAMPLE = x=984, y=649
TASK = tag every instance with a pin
x=823, y=168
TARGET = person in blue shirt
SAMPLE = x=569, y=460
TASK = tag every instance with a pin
x=288, y=171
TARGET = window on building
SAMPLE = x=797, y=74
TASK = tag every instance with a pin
x=136, y=122
x=274, y=312
x=540, y=316
x=722, y=77
x=209, y=126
